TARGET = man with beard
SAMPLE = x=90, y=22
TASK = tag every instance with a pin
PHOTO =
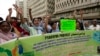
x=15, y=22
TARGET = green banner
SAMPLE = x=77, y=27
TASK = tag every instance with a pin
x=79, y=43
x=67, y=25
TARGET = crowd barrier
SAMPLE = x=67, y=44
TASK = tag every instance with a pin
x=79, y=43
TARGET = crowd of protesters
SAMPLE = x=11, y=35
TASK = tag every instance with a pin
x=15, y=27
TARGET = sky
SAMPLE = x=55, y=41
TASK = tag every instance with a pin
x=4, y=6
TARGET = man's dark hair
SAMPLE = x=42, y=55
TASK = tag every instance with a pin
x=1, y=19
x=39, y=18
x=4, y=22
x=14, y=18
x=61, y=17
x=34, y=19
x=52, y=23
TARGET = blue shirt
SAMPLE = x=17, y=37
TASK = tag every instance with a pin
x=38, y=29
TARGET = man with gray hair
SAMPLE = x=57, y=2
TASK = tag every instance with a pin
x=94, y=25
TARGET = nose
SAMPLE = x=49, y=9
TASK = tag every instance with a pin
x=5, y=27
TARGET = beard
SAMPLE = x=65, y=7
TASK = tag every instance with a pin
x=18, y=23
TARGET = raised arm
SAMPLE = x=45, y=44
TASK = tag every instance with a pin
x=81, y=13
x=46, y=25
x=81, y=20
x=19, y=13
x=8, y=19
x=30, y=14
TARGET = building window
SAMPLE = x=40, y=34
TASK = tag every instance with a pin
x=58, y=5
x=91, y=10
x=71, y=2
x=78, y=1
x=65, y=4
x=87, y=11
x=81, y=1
x=85, y=0
x=68, y=3
x=96, y=9
x=62, y=4
x=74, y=1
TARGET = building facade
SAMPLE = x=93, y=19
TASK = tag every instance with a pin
x=65, y=8
x=25, y=8
x=19, y=3
x=41, y=8
x=24, y=5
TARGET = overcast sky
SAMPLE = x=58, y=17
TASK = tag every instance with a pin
x=4, y=6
